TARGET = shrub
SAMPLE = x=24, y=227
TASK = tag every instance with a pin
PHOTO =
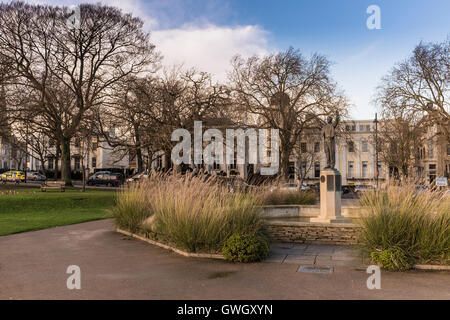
x=416, y=223
x=246, y=248
x=131, y=209
x=283, y=197
x=392, y=258
x=191, y=213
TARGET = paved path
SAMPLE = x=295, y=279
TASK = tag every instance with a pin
x=33, y=266
x=318, y=255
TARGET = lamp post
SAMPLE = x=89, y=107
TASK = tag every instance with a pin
x=377, y=173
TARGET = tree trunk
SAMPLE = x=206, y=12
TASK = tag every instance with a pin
x=65, y=161
x=284, y=162
x=55, y=175
x=140, y=162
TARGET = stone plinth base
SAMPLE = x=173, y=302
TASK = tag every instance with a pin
x=330, y=197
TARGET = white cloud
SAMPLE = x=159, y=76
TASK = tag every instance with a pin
x=209, y=48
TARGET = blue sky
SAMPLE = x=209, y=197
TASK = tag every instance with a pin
x=207, y=33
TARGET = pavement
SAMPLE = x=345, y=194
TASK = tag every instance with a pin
x=33, y=265
x=317, y=255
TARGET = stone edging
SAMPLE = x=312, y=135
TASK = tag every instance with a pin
x=280, y=222
x=432, y=267
x=167, y=247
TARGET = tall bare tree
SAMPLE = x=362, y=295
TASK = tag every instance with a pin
x=285, y=91
x=399, y=136
x=421, y=84
x=71, y=69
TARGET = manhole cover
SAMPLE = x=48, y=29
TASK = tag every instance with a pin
x=315, y=269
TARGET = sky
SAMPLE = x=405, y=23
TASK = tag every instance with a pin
x=206, y=34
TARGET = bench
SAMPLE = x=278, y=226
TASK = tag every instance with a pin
x=61, y=185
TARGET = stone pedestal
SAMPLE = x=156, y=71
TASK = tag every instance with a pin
x=330, y=197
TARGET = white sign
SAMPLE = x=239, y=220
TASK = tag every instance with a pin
x=441, y=182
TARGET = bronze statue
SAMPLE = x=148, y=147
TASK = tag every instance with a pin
x=329, y=134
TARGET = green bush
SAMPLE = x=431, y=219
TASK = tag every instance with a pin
x=392, y=259
x=283, y=197
x=416, y=223
x=246, y=248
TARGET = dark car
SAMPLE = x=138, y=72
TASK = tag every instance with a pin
x=105, y=178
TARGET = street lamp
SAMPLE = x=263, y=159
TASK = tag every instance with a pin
x=377, y=173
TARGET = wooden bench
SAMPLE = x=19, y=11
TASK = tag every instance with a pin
x=61, y=185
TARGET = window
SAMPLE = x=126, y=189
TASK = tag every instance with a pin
x=291, y=170
x=316, y=147
x=364, y=146
x=430, y=150
x=303, y=169
x=50, y=164
x=94, y=146
x=432, y=172
x=350, y=171
x=448, y=149
x=216, y=166
x=303, y=147
x=317, y=170
x=77, y=163
x=77, y=142
x=94, y=162
x=351, y=146
x=365, y=168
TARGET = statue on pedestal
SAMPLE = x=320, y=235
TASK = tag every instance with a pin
x=329, y=135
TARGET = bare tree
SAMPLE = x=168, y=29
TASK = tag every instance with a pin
x=71, y=70
x=421, y=84
x=285, y=91
x=399, y=136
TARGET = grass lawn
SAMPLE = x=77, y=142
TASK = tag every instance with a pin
x=31, y=209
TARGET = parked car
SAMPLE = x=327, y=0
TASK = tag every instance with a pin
x=364, y=188
x=421, y=188
x=289, y=187
x=346, y=189
x=234, y=185
x=35, y=176
x=13, y=176
x=105, y=178
x=138, y=177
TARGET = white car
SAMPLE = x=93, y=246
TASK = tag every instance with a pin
x=138, y=176
x=289, y=187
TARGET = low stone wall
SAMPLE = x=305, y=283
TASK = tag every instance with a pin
x=307, y=232
x=306, y=211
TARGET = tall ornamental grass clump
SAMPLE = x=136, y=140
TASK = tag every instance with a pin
x=406, y=227
x=192, y=213
x=131, y=208
x=288, y=197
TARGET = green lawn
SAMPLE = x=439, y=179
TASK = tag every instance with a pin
x=31, y=209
